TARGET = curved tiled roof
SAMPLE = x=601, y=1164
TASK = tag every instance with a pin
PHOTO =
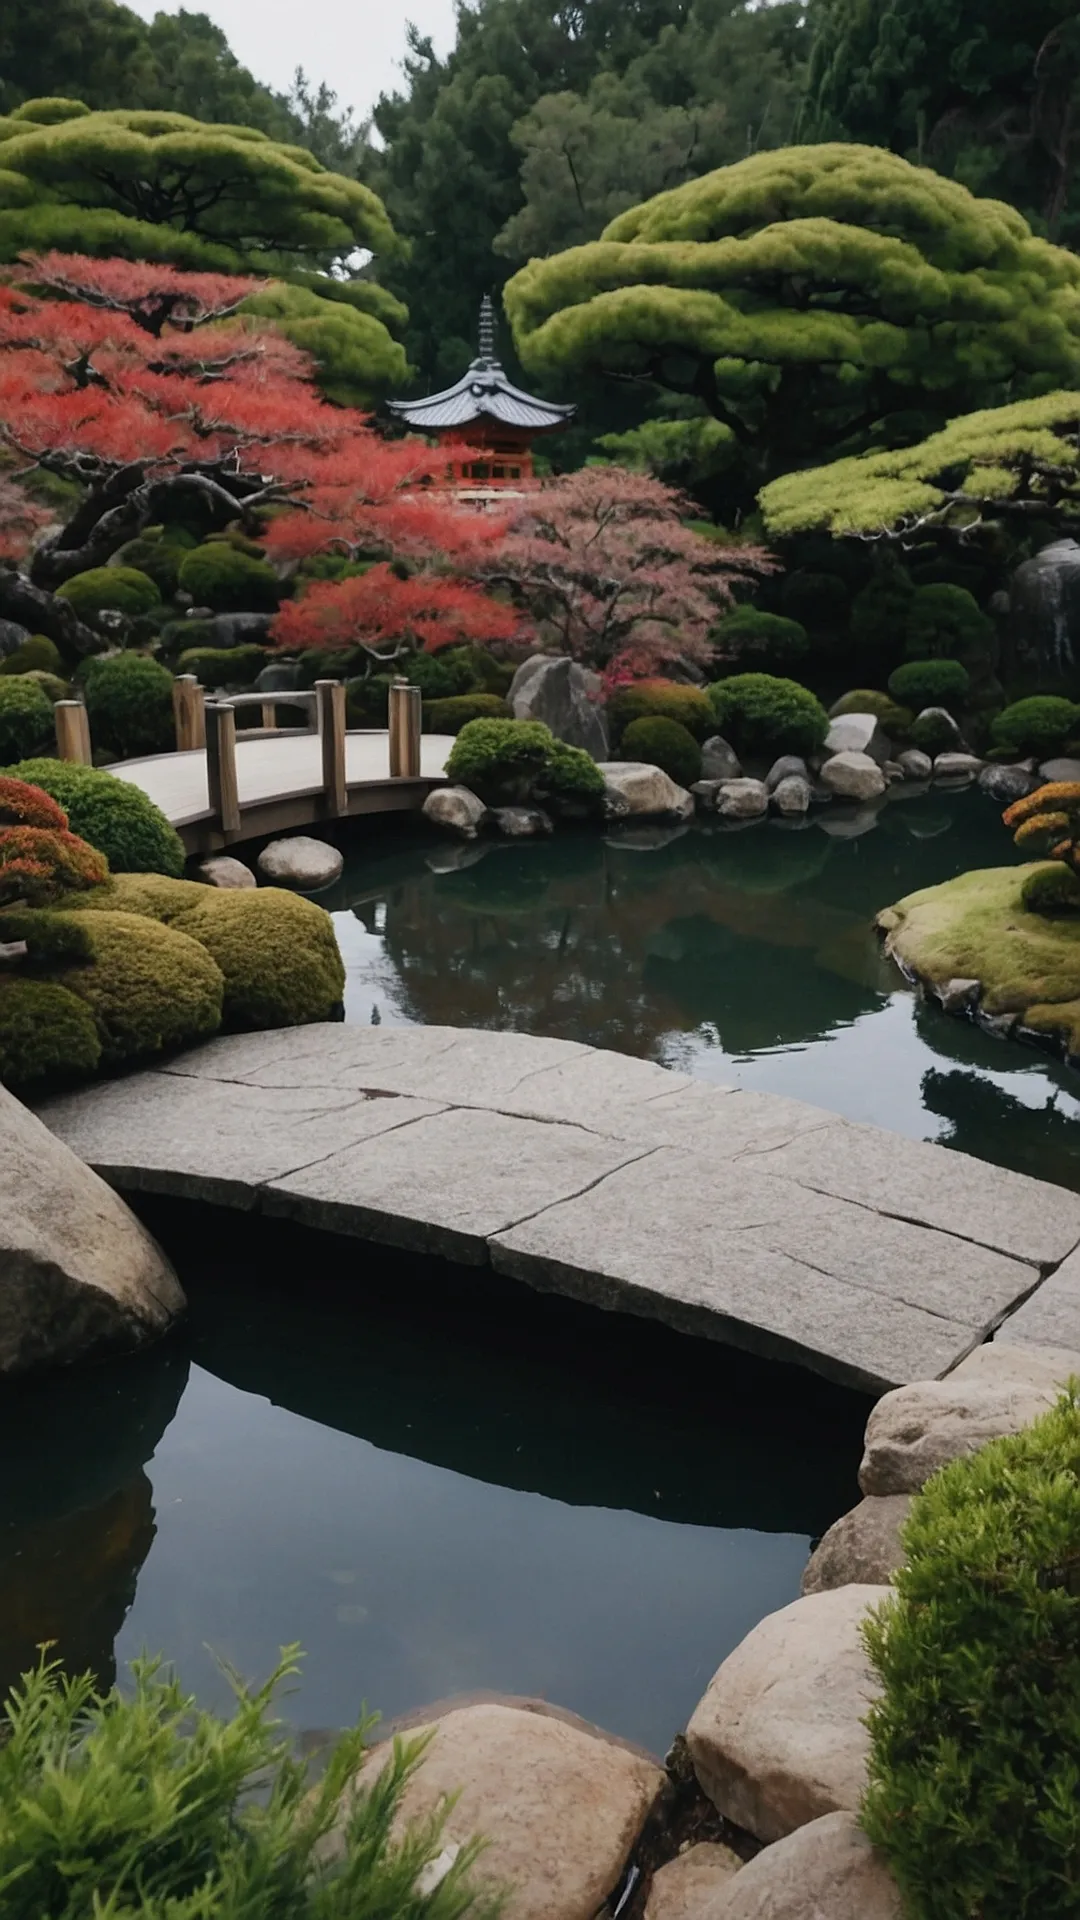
x=483, y=392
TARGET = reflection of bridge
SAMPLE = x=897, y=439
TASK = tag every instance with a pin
x=221, y=786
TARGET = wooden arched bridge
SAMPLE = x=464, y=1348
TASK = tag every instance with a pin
x=225, y=783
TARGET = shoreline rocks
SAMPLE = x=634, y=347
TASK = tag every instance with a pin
x=633, y=788
x=300, y=862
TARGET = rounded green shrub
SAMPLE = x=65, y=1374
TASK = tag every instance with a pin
x=449, y=716
x=228, y=580
x=129, y=704
x=1053, y=890
x=933, y=732
x=895, y=719
x=160, y=559
x=930, y=683
x=230, y=667
x=278, y=954
x=1041, y=725
x=488, y=674
x=149, y=987
x=36, y=655
x=763, y=642
x=47, y=1033
x=571, y=786
x=439, y=676
x=520, y=763
x=759, y=713
x=110, y=589
x=664, y=744
x=974, y=1778
x=947, y=620
x=661, y=700
x=26, y=718
x=115, y=816
x=51, y=685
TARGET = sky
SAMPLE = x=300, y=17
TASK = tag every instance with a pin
x=355, y=45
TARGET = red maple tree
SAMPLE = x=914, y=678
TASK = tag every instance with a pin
x=612, y=574
x=146, y=387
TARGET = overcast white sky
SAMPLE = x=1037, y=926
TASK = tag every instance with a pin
x=355, y=45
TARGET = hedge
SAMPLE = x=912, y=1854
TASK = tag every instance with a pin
x=129, y=704
x=47, y=1033
x=765, y=642
x=519, y=762
x=237, y=667
x=115, y=816
x=148, y=987
x=36, y=655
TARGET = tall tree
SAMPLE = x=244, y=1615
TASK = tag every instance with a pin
x=986, y=90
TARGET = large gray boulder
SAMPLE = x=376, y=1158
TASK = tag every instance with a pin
x=79, y=1276
x=719, y=761
x=12, y=637
x=455, y=810
x=826, y=1871
x=241, y=629
x=862, y=1546
x=852, y=775
x=778, y=1738
x=564, y=697
x=559, y=1805
x=301, y=862
x=1044, y=606
x=633, y=788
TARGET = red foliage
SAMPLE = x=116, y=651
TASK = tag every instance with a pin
x=22, y=805
x=604, y=561
x=375, y=607
x=150, y=294
x=39, y=864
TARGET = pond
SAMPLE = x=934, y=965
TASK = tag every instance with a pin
x=441, y=1484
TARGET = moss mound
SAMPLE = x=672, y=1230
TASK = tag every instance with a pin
x=977, y=927
x=663, y=700
x=36, y=655
x=895, y=719
x=47, y=1033
x=223, y=577
x=664, y=744
x=113, y=815
x=110, y=589
x=148, y=987
x=26, y=717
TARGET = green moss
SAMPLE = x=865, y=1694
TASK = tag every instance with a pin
x=761, y=714
x=37, y=654
x=156, y=556
x=664, y=744
x=221, y=576
x=47, y=1033
x=227, y=667
x=129, y=704
x=449, y=716
x=763, y=642
x=665, y=700
x=1040, y=725
x=977, y=927
x=895, y=718
x=930, y=683
x=26, y=718
x=149, y=987
x=119, y=589
x=115, y=816
x=932, y=733
x=1051, y=890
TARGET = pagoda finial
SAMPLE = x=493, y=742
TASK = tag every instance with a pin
x=487, y=328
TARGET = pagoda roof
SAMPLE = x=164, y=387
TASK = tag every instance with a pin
x=483, y=393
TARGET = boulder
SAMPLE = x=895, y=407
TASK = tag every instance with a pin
x=718, y=760
x=862, y=1547
x=687, y=1886
x=564, y=697
x=957, y=766
x=1006, y=784
x=705, y=792
x=792, y=794
x=742, y=800
x=826, y=1871
x=559, y=1804
x=778, y=1738
x=456, y=810
x=241, y=629
x=301, y=862
x=858, y=733
x=280, y=676
x=789, y=766
x=221, y=870
x=918, y=1428
x=521, y=823
x=1060, y=769
x=1044, y=624
x=853, y=775
x=79, y=1276
x=894, y=772
x=632, y=787
x=916, y=765
x=12, y=637
x=945, y=720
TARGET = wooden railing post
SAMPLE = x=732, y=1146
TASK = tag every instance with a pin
x=221, y=765
x=405, y=719
x=73, y=732
x=331, y=713
x=189, y=713
x=268, y=715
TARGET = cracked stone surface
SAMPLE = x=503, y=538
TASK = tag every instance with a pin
x=743, y=1217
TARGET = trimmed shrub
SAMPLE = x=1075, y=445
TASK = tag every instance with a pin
x=974, y=1779
x=440, y=676
x=946, y=620
x=571, y=785
x=110, y=589
x=1052, y=890
x=661, y=700
x=129, y=704
x=894, y=718
x=229, y=667
x=139, y=1802
x=761, y=714
x=22, y=805
x=115, y=816
x=488, y=674
x=520, y=763
x=26, y=718
x=51, y=685
x=1041, y=724
x=930, y=683
x=160, y=559
x=36, y=655
x=223, y=577
x=148, y=987
x=38, y=864
x=933, y=733
x=278, y=954
x=449, y=716
x=763, y=642
x=46, y=1033
x=664, y=744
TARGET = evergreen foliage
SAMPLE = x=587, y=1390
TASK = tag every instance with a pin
x=760, y=713
x=520, y=763
x=1040, y=725
x=930, y=683
x=129, y=704
x=450, y=715
x=760, y=641
x=221, y=576
x=26, y=718
x=934, y=731
x=664, y=744
x=668, y=700
x=946, y=619
x=894, y=716
x=232, y=667
x=974, y=1777
x=111, y=814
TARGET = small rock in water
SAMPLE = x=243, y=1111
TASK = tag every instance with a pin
x=789, y=766
x=1063, y=769
x=521, y=823
x=915, y=765
x=742, y=799
x=455, y=809
x=792, y=794
x=1006, y=784
x=718, y=760
x=852, y=775
x=957, y=766
x=221, y=870
x=301, y=862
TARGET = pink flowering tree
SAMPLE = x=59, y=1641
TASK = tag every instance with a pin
x=609, y=571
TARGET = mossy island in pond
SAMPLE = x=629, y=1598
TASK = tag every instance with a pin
x=977, y=927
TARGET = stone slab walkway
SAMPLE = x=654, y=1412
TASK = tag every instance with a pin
x=743, y=1217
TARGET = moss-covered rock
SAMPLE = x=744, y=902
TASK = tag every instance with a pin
x=977, y=927
x=149, y=987
x=36, y=655
x=110, y=589
x=47, y=1033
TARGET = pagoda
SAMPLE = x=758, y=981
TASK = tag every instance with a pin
x=496, y=420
